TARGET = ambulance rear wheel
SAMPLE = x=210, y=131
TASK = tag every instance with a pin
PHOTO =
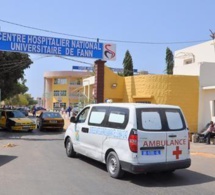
x=113, y=166
x=70, y=152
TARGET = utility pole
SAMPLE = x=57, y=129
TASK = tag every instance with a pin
x=212, y=35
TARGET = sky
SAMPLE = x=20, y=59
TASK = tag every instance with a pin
x=143, y=27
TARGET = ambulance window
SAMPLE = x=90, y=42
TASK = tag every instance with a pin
x=82, y=116
x=151, y=120
x=97, y=116
x=174, y=120
x=118, y=118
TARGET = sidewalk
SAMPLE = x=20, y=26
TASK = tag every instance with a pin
x=202, y=148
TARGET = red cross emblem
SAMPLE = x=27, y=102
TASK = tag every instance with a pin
x=177, y=152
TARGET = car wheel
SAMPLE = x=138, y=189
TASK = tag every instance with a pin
x=113, y=165
x=40, y=127
x=8, y=127
x=69, y=148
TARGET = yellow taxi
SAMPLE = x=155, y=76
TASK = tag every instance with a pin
x=15, y=120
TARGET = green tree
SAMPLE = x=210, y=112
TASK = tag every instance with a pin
x=30, y=99
x=169, y=61
x=12, y=66
x=21, y=100
x=128, y=64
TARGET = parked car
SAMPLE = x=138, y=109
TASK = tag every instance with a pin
x=23, y=110
x=50, y=120
x=16, y=120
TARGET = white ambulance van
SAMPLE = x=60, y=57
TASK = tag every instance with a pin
x=132, y=137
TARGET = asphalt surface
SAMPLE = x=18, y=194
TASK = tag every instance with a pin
x=36, y=163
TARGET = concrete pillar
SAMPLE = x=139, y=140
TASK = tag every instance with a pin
x=47, y=94
x=99, y=81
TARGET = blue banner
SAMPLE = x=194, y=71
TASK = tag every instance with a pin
x=14, y=42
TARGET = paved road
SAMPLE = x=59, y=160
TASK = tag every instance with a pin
x=36, y=164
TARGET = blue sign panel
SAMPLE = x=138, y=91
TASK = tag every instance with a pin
x=82, y=68
x=91, y=69
x=121, y=70
x=14, y=42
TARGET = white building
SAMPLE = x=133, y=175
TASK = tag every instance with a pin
x=199, y=60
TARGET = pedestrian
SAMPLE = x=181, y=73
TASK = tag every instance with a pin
x=34, y=110
x=68, y=110
x=207, y=133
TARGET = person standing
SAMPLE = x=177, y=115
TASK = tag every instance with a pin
x=68, y=110
x=34, y=110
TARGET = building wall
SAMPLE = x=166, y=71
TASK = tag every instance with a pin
x=206, y=107
x=88, y=85
x=159, y=89
x=113, y=86
x=60, y=87
x=73, y=88
x=166, y=89
x=207, y=94
x=204, y=52
x=207, y=74
x=203, y=65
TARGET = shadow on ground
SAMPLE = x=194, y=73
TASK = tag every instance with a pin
x=6, y=159
x=181, y=177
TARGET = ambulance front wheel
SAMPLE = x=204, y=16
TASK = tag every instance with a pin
x=113, y=165
x=69, y=148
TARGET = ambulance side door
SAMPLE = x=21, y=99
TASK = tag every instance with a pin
x=80, y=132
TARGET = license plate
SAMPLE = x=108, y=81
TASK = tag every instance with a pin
x=151, y=152
x=53, y=121
x=26, y=127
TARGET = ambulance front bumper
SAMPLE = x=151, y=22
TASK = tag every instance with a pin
x=155, y=167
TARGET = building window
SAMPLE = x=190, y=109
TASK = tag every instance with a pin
x=56, y=93
x=59, y=92
x=60, y=81
x=188, y=61
x=56, y=106
x=62, y=104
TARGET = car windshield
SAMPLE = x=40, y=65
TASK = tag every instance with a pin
x=51, y=115
x=15, y=114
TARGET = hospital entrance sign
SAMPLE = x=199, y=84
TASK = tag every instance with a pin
x=23, y=43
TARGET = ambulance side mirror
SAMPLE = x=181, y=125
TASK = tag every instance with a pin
x=73, y=119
